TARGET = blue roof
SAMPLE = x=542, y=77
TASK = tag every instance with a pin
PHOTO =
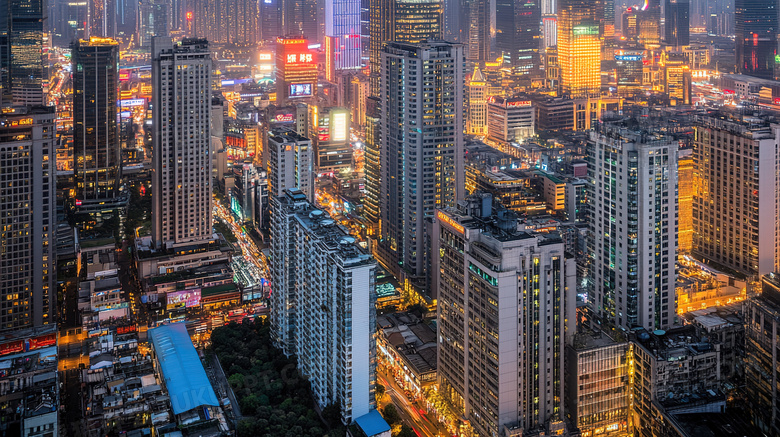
x=372, y=423
x=186, y=381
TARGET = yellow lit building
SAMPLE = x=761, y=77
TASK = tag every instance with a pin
x=685, y=196
x=476, y=122
x=579, y=48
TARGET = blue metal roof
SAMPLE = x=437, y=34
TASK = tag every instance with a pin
x=186, y=381
x=372, y=423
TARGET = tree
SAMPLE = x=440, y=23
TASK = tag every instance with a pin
x=406, y=431
x=332, y=415
x=380, y=390
x=390, y=413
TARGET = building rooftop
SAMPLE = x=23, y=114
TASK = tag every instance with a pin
x=372, y=423
x=183, y=373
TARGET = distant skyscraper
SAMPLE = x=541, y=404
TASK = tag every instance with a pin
x=290, y=163
x=96, y=154
x=677, y=26
x=736, y=198
x=756, y=37
x=518, y=32
x=476, y=24
x=22, y=27
x=181, y=142
x=27, y=224
x=329, y=131
x=506, y=305
x=422, y=144
x=226, y=21
x=101, y=19
x=649, y=24
x=69, y=19
x=324, y=304
x=152, y=21
x=579, y=47
x=342, y=20
x=633, y=186
x=270, y=20
x=372, y=163
x=299, y=18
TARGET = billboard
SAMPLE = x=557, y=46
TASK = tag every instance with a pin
x=300, y=90
x=132, y=102
x=338, y=126
x=187, y=298
x=283, y=118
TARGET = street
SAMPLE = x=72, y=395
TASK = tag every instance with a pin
x=411, y=413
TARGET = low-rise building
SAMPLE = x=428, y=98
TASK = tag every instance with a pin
x=407, y=345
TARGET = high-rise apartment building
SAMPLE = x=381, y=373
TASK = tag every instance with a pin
x=579, y=48
x=685, y=191
x=762, y=322
x=371, y=154
x=290, y=163
x=27, y=223
x=22, y=28
x=756, y=31
x=735, y=201
x=296, y=70
x=503, y=318
x=422, y=144
x=677, y=31
x=96, y=155
x=633, y=194
x=181, y=142
x=323, y=304
x=518, y=33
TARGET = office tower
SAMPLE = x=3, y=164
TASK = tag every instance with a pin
x=181, y=142
x=270, y=20
x=27, y=224
x=329, y=131
x=677, y=78
x=126, y=15
x=755, y=27
x=422, y=144
x=505, y=312
x=629, y=69
x=296, y=70
x=299, y=18
x=342, y=21
x=290, y=163
x=152, y=21
x=633, y=186
x=630, y=26
x=518, y=33
x=372, y=164
x=579, y=48
x=475, y=29
x=649, y=24
x=407, y=21
x=510, y=120
x=550, y=32
x=323, y=304
x=22, y=27
x=101, y=18
x=476, y=119
x=226, y=21
x=96, y=154
x=735, y=204
x=68, y=22
x=762, y=322
x=677, y=26
x=685, y=200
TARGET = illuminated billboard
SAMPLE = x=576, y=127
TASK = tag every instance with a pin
x=283, y=118
x=338, y=126
x=132, y=102
x=300, y=90
x=186, y=298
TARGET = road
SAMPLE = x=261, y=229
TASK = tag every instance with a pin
x=424, y=424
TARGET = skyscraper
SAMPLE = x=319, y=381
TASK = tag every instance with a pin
x=506, y=308
x=518, y=32
x=422, y=144
x=579, y=48
x=101, y=18
x=23, y=24
x=323, y=304
x=677, y=25
x=96, y=154
x=342, y=20
x=152, y=21
x=296, y=70
x=27, y=199
x=735, y=168
x=756, y=30
x=227, y=21
x=181, y=142
x=299, y=18
x=633, y=186
x=476, y=28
